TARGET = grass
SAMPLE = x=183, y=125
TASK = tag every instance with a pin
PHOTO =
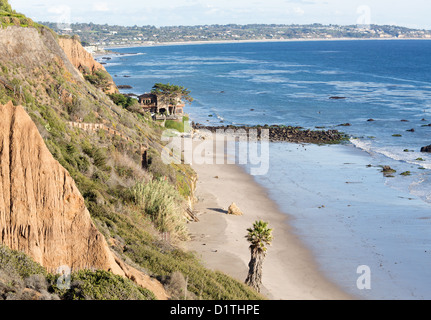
x=11, y=18
x=162, y=203
x=180, y=126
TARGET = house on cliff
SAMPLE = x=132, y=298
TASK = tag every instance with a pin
x=152, y=103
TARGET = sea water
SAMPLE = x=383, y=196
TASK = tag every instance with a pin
x=342, y=206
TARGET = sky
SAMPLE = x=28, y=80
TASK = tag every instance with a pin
x=412, y=13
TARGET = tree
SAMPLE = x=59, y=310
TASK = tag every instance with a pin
x=259, y=236
x=171, y=94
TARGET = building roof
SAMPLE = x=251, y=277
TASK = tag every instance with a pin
x=147, y=95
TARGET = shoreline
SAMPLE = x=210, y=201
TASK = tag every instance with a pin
x=181, y=43
x=290, y=272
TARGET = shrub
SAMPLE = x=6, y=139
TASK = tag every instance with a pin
x=101, y=285
x=162, y=202
x=5, y=6
x=99, y=79
x=177, y=286
x=122, y=100
x=19, y=263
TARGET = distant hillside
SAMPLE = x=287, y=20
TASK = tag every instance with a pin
x=106, y=35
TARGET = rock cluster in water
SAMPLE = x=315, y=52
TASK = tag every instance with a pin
x=283, y=133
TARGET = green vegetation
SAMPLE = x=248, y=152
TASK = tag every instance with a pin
x=122, y=100
x=23, y=279
x=100, y=285
x=100, y=79
x=171, y=94
x=163, y=204
x=9, y=17
x=16, y=262
x=5, y=6
x=180, y=126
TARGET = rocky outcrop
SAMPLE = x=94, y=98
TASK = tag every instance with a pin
x=83, y=60
x=426, y=149
x=280, y=133
x=42, y=212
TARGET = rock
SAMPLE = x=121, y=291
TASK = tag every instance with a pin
x=42, y=212
x=234, y=210
x=388, y=169
x=404, y=120
x=337, y=98
x=411, y=130
x=370, y=120
x=426, y=149
x=82, y=59
x=344, y=125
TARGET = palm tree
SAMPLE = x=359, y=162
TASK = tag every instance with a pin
x=259, y=236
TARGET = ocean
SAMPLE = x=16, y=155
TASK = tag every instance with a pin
x=341, y=205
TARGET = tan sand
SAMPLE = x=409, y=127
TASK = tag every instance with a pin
x=289, y=270
x=181, y=43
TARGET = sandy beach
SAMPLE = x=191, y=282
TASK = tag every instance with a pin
x=290, y=272
x=183, y=43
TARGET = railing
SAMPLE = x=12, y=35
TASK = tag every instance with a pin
x=101, y=126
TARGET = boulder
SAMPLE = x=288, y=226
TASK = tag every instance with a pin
x=337, y=98
x=234, y=210
x=388, y=169
x=426, y=148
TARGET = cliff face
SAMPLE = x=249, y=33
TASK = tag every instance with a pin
x=83, y=60
x=29, y=47
x=42, y=213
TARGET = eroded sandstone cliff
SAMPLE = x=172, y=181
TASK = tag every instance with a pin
x=83, y=60
x=42, y=213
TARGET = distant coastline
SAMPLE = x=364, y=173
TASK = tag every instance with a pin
x=183, y=43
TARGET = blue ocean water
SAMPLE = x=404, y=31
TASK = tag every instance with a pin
x=346, y=211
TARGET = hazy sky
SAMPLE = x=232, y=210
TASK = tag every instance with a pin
x=412, y=13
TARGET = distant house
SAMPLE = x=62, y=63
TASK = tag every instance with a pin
x=151, y=103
